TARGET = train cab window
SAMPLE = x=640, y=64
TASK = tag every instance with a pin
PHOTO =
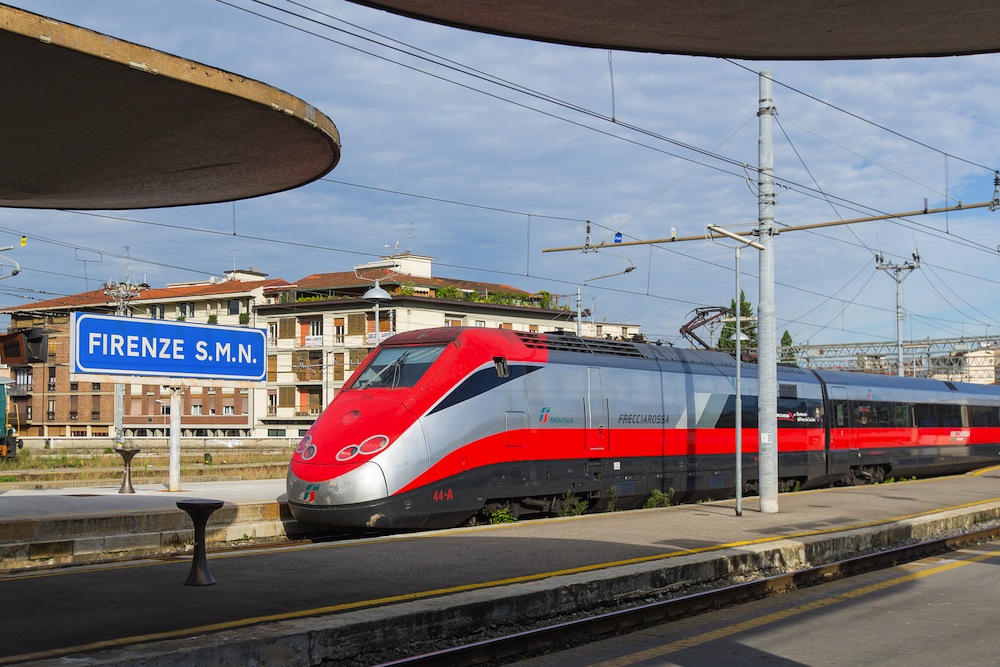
x=395, y=367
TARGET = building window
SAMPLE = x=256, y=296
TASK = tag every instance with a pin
x=272, y=332
x=27, y=412
x=52, y=409
x=315, y=327
x=196, y=409
x=23, y=379
x=338, y=330
x=234, y=307
x=276, y=432
x=480, y=323
x=453, y=320
x=52, y=378
x=357, y=324
x=156, y=311
x=95, y=415
x=96, y=386
x=228, y=410
x=73, y=386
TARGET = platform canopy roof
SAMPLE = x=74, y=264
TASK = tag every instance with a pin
x=753, y=30
x=92, y=122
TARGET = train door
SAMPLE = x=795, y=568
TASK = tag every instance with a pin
x=842, y=436
x=597, y=416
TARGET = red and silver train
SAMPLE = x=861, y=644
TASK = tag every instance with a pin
x=443, y=426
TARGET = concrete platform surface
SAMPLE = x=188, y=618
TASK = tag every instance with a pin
x=369, y=600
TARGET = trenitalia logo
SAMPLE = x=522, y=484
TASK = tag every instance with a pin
x=546, y=418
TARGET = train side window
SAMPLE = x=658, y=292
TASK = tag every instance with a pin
x=881, y=414
x=949, y=415
x=983, y=415
x=923, y=414
x=904, y=415
x=840, y=414
x=862, y=415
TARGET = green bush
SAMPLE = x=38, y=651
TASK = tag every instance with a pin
x=502, y=515
x=572, y=506
x=660, y=499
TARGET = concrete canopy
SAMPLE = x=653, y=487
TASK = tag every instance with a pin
x=755, y=30
x=93, y=122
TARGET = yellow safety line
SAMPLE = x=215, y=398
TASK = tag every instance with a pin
x=706, y=637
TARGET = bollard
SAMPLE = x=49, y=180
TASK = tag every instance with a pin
x=127, y=454
x=199, y=509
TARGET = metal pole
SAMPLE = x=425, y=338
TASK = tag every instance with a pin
x=739, y=393
x=899, y=328
x=579, y=313
x=767, y=363
x=174, y=480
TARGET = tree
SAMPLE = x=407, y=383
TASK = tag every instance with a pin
x=747, y=322
x=787, y=351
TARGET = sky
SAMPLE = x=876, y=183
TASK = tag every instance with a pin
x=482, y=151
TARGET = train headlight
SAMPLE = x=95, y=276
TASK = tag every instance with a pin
x=373, y=444
x=347, y=453
x=369, y=446
x=306, y=450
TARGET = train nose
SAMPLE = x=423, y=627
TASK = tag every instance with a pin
x=361, y=484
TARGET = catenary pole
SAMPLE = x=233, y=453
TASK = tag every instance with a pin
x=767, y=363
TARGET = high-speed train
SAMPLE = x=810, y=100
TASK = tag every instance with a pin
x=443, y=426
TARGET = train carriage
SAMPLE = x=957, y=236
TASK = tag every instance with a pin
x=440, y=426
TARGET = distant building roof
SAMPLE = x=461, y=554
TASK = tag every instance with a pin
x=347, y=280
x=98, y=299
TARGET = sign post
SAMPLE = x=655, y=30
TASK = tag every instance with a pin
x=174, y=354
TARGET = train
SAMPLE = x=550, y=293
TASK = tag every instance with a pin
x=443, y=427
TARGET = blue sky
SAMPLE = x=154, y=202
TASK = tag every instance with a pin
x=447, y=161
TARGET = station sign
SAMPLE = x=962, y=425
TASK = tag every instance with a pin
x=112, y=345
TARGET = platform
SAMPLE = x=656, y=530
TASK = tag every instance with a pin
x=367, y=599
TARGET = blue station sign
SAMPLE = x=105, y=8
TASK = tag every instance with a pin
x=110, y=345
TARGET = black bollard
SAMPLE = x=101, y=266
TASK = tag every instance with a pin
x=127, y=453
x=199, y=509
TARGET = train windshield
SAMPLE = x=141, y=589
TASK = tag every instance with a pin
x=395, y=367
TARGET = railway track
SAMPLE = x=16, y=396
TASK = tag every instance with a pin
x=526, y=643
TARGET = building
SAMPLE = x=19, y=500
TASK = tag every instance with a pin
x=320, y=329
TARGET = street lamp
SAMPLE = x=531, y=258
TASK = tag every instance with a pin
x=376, y=294
x=740, y=337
